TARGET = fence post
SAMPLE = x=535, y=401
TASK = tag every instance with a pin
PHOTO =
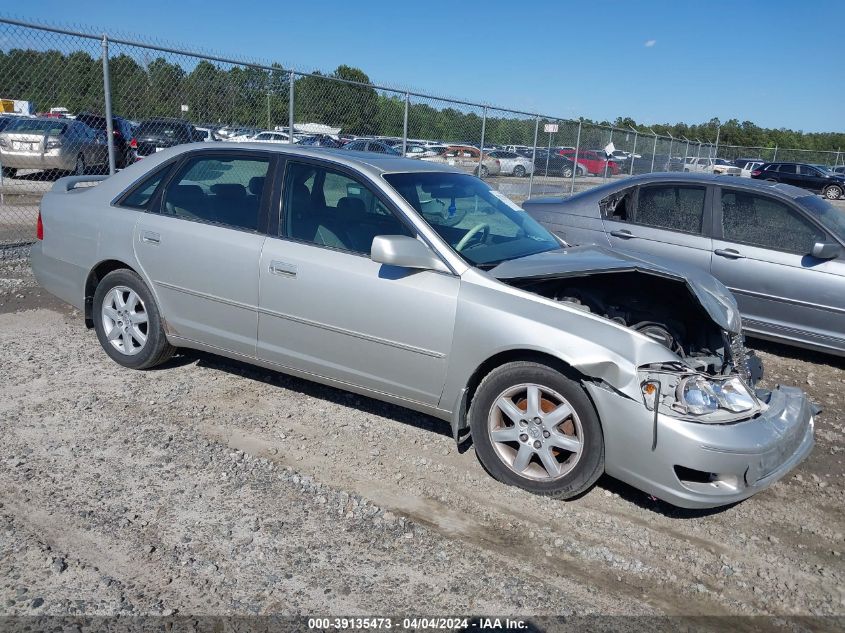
x=775, y=159
x=483, y=129
x=633, y=154
x=836, y=163
x=610, y=140
x=290, y=107
x=686, y=152
x=405, y=126
x=653, y=151
x=269, y=127
x=533, y=154
x=716, y=148
x=575, y=158
x=107, y=100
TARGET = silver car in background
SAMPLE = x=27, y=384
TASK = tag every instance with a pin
x=512, y=164
x=415, y=284
x=51, y=143
x=778, y=248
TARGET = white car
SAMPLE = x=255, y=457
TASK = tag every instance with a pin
x=747, y=166
x=271, y=137
x=712, y=166
x=207, y=133
x=512, y=164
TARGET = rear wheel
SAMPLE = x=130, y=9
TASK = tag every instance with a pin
x=567, y=172
x=535, y=428
x=519, y=171
x=128, y=323
x=483, y=172
x=833, y=192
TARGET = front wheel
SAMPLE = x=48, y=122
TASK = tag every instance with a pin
x=483, y=172
x=519, y=171
x=128, y=323
x=536, y=429
x=79, y=169
x=833, y=192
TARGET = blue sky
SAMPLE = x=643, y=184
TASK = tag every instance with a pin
x=778, y=63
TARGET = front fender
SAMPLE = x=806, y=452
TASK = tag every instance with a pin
x=493, y=318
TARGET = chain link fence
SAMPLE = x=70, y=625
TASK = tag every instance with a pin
x=80, y=103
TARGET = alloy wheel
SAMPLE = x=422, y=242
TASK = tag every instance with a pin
x=535, y=432
x=125, y=320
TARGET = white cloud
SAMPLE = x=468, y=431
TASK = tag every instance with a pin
x=650, y=43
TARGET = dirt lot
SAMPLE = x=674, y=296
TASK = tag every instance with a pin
x=209, y=486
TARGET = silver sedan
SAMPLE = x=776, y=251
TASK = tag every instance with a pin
x=414, y=284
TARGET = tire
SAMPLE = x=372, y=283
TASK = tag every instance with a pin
x=128, y=322
x=567, y=172
x=9, y=172
x=79, y=168
x=832, y=192
x=519, y=171
x=577, y=467
x=483, y=172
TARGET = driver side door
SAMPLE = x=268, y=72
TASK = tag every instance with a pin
x=328, y=310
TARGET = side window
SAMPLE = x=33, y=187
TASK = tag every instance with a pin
x=673, y=207
x=220, y=190
x=140, y=196
x=766, y=222
x=786, y=169
x=618, y=206
x=327, y=208
x=809, y=170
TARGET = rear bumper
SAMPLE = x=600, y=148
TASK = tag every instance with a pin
x=705, y=465
x=59, y=278
x=37, y=160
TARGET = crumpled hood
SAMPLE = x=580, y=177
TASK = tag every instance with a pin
x=581, y=261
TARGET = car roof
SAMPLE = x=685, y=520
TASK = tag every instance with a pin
x=369, y=162
x=734, y=182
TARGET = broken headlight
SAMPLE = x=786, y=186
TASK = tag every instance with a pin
x=697, y=395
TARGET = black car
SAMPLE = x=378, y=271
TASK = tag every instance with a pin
x=830, y=184
x=553, y=164
x=366, y=145
x=320, y=140
x=156, y=134
x=122, y=131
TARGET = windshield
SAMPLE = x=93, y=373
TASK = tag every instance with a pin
x=483, y=225
x=832, y=218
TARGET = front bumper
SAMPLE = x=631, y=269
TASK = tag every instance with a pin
x=704, y=465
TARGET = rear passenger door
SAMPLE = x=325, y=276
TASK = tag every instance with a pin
x=200, y=249
x=666, y=219
x=762, y=253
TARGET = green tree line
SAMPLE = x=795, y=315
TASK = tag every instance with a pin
x=250, y=96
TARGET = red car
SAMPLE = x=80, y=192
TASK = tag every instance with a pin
x=594, y=161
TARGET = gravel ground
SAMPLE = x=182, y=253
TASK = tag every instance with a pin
x=212, y=487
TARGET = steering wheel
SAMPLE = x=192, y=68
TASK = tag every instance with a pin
x=481, y=226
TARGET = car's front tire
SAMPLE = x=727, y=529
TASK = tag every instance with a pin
x=535, y=428
x=128, y=322
x=519, y=171
x=832, y=192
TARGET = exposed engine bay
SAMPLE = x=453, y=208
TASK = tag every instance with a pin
x=659, y=307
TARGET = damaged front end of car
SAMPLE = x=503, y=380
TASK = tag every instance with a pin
x=698, y=433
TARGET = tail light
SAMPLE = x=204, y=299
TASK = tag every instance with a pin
x=756, y=172
x=39, y=227
x=133, y=143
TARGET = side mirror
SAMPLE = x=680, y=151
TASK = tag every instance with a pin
x=406, y=252
x=826, y=250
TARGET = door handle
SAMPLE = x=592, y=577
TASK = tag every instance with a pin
x=624, y=234
x=282, y=268
x=150, y=237
x=729, y=253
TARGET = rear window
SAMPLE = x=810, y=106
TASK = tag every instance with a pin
x=161, y=128
x=37, y=126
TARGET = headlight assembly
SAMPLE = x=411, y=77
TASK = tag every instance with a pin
x=697, y=397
